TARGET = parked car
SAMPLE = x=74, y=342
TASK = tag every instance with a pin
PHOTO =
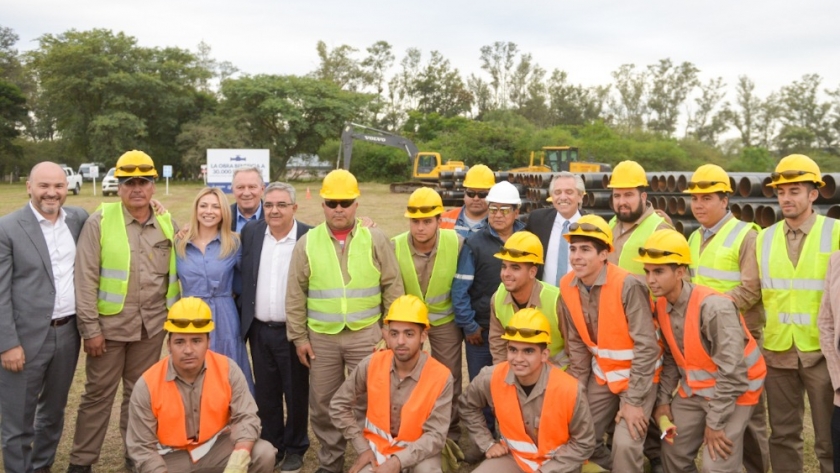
x=110, y=183
x=74, y=181
x=84, y=170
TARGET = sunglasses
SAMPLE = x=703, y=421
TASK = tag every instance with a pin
x=184, y=323
x=775, y=176
x=503, y=210
x=473, y=194
x=654, y=253
x=424, y=209
x=702, y=184
x=525, y=332
x=513, y=252
x=335, y=203
x=587, y=227
x=135, y=167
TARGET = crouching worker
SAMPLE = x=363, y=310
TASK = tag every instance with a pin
x=192, y=411
x=710, y=356
x=409, y=399
x=557, y=438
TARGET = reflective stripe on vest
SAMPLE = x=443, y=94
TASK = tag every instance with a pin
x=115, y=260
x=168, y=406
x=640, y=234
x=413, y=414
x=792, y=296
x=697, y=369
x=548, y=306
x=438, y=297
x=331, y=304
x=613, y=356
x=719, y=265
x=556, y=414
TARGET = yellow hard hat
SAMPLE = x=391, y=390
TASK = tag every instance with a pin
x=708, y=179
x=522, y=247
x=591, y=226
x=528, y=326
x=340, y=185
x=423, y=203
x=796, y=168
x=479, y=177
x=135, y=164
x=408, y=308
x=665, y=247
x=628, y=174
x=189, y=315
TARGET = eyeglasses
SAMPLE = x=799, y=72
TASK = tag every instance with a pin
x=654, y=253
x=184, y=323
x=335, y=203
x=775, y=176
x=702, y=184
x=513, y=252
x=425, y=209
x=503, y=210
x=135, y=167
x=473, y=194
x=587, y=227
x=525, y=332
x=279, y=205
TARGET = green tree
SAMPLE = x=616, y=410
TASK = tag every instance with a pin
x=630, y=107
x=498, y=60
x=439, y=88
x=708, y=120
x=12, y=113
x=339, y=67
x=574, y=104
x=806, y=119
x=669, y=87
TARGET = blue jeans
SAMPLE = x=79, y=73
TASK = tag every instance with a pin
x=478, y=356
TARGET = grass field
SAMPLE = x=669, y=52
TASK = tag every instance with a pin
x=376, y=201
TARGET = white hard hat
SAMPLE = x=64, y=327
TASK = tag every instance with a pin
x=503, y=193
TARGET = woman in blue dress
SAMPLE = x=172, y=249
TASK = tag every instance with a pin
x=207, y=258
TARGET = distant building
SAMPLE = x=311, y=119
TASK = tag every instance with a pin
x=307, y=166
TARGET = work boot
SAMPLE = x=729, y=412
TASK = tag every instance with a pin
x=293, y=462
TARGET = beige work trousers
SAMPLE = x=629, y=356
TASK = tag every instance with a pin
x=690, y=418
x=505, y=464
x=756, y=443
x=335, y=356
x=125, y=361
x=429, y=465
x=262, y=458
x=626, y=454
x=786, y=402
x=446, y=341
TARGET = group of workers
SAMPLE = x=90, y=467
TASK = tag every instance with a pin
x=590, y=345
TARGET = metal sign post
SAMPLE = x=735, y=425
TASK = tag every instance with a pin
x=167, y=173
x=94, y=173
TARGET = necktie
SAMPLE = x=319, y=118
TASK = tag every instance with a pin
x=563, y=254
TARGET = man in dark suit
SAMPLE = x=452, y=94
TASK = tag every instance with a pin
x=39, y=341
x=267, y=246
x=566, y=191
x=247, y=187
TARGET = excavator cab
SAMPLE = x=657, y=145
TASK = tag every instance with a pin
x=425, y=164
x=559, y=158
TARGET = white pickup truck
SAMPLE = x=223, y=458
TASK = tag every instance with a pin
x=74, y=181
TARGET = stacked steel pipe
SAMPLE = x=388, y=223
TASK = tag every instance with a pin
x=752, y=199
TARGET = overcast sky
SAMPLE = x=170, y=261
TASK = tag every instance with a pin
x=772, y=41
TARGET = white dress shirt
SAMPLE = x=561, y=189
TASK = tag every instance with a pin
x=62, y=249
x=273, y=276
x=550, y=269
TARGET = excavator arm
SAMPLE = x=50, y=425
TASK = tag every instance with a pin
x=353, y=131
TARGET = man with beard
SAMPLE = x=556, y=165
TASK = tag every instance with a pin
x=406, y=396
x=566, y=191
x=471, y=217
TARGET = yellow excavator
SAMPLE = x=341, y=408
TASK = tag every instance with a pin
x=425, y=166
x=560, y=158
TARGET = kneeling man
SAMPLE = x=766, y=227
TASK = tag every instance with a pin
x=192, y=411
x=558, y=438
x=409, y=398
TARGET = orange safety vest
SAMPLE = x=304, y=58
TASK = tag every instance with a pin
x=168, y=407
x=555, y=417
x=612, y=357
x=414, y=412
x=697, y=369
x=448, y=218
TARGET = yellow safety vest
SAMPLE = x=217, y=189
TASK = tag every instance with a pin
x=719, y=266
x=331, y=305
x=115, y=260
x=630, y=251
x=791, y=295
x=438, y=297
x=548, y=306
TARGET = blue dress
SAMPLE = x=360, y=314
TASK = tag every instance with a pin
x=211, y=278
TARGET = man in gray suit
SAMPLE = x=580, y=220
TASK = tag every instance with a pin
x=39, y=342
